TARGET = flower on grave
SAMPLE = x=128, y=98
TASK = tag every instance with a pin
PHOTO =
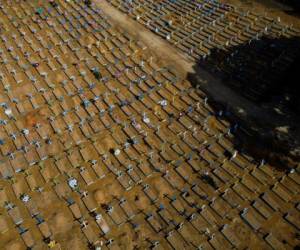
x=25, y=131
x=25, y=198
x=73, y=183
x=163, y=103
x=86, y=103
x=52, y=244
x=117, y=152
x=98, y=217
x=146, y=120
x=3, y=122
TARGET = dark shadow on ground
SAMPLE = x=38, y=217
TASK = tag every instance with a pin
x=291, y=7
x=264, y=76
x=294, y=6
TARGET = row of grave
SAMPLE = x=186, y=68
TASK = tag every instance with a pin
x=170, y=164
x=218, y=25
x=238, y=46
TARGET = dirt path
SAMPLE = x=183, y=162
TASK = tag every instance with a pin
x=168, y=54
